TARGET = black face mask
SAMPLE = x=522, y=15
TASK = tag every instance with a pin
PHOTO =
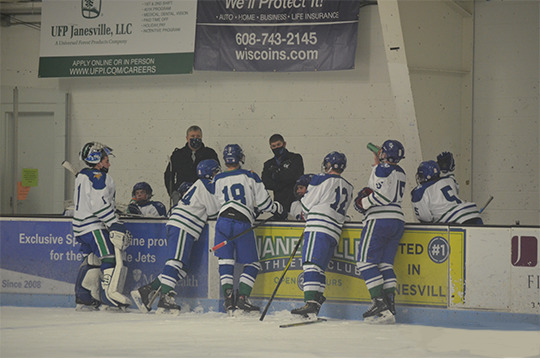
x=195, y=143
x=278, y=151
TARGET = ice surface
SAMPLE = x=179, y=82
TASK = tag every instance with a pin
x=63, y=332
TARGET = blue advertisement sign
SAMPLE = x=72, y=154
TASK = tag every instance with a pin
x=42, y=257
x=276, y=35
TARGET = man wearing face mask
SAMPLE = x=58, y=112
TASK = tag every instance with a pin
x=281, y=172
x=183, y=163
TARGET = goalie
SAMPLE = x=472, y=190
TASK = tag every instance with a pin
x=102, y=236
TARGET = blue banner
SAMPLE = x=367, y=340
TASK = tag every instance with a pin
x=276, y=35
x=42, y=257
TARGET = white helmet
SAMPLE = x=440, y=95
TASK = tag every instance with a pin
x=93, y=152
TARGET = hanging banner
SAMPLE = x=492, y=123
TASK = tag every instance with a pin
x=276, y=35
x=116, y=37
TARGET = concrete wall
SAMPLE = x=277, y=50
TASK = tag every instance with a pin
x=144, y=118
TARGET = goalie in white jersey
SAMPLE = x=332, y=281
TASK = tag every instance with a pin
x=435, y=199
x=102, y=236
x=241, y=194
x=324, y=207
x=384, y=224
x=185, y=225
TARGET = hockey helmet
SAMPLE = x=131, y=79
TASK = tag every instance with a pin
x=233, y=154
x=393, y=151
x=303, y=180
x=207, y=169
x=142, y=186
x=334, y=161
x=427, y=170
x=93, y=152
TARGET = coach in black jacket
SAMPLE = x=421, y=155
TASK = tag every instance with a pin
x=183, y=164
x=281, y=172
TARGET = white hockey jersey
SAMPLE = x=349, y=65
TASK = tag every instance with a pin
x=296, y=211
x=150, y=209
x=94, y=199
x=438, y=202
x=388, y=184
x=243, y=191
x=325, y=204
x=194, y=209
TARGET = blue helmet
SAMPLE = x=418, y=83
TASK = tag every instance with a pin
x=393, y=150
x=93, y=152
x=207, y=169
x=233, y=154
x=446, y=161
x=142, y=186
x=303, y=180
x=427, y=170
x=335, y=160
x=184, y=187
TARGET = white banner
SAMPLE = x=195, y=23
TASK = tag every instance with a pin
x=117, y=37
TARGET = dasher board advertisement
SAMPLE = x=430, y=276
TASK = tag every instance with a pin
x=117, y=37
x=429, y=265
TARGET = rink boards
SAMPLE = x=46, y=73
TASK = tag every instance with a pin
x=462, y=267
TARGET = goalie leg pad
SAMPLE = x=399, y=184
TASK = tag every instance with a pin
x=113, y=282
x=87, y=284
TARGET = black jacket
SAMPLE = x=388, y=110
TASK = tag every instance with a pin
x=183, y=167
x=281, y=178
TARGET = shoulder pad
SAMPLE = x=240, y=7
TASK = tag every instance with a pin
x=96, y=177
x=384, y=170
x=418, y=192
x=254, y=175
x=209, y=185
x=318, y=179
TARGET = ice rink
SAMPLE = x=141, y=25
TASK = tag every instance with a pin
x=63, y=332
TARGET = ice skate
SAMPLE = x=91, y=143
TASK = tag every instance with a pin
x=229, y=304
x=389, y=299
x=167, y=304
x=243, y=303
x=87, y=306
x=144, y=297
x=378, y=313
x=309, y=310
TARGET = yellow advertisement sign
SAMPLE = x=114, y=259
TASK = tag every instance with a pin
x=429, y=266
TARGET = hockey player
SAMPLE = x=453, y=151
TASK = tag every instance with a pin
x=325, y=208
x=140, y=203
x=380, y=202
x=435, y=199
x=103, y=237
x=300, y=189
x=184, y=227
x=240, y=193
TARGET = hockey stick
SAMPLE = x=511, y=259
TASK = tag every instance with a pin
x=487, y=203
x=67, y=165
x=223, y=243
x=282, y=276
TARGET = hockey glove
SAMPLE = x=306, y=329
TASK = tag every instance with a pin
x=365, y=192
x=277, y=210
x=120, y=237
x=134, y=209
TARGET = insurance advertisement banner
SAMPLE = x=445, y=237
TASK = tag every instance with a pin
x=276, y=35
x=117, y=37
x=42, y=257
x=429, y=265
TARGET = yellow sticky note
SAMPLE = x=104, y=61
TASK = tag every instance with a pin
x=30, y=177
